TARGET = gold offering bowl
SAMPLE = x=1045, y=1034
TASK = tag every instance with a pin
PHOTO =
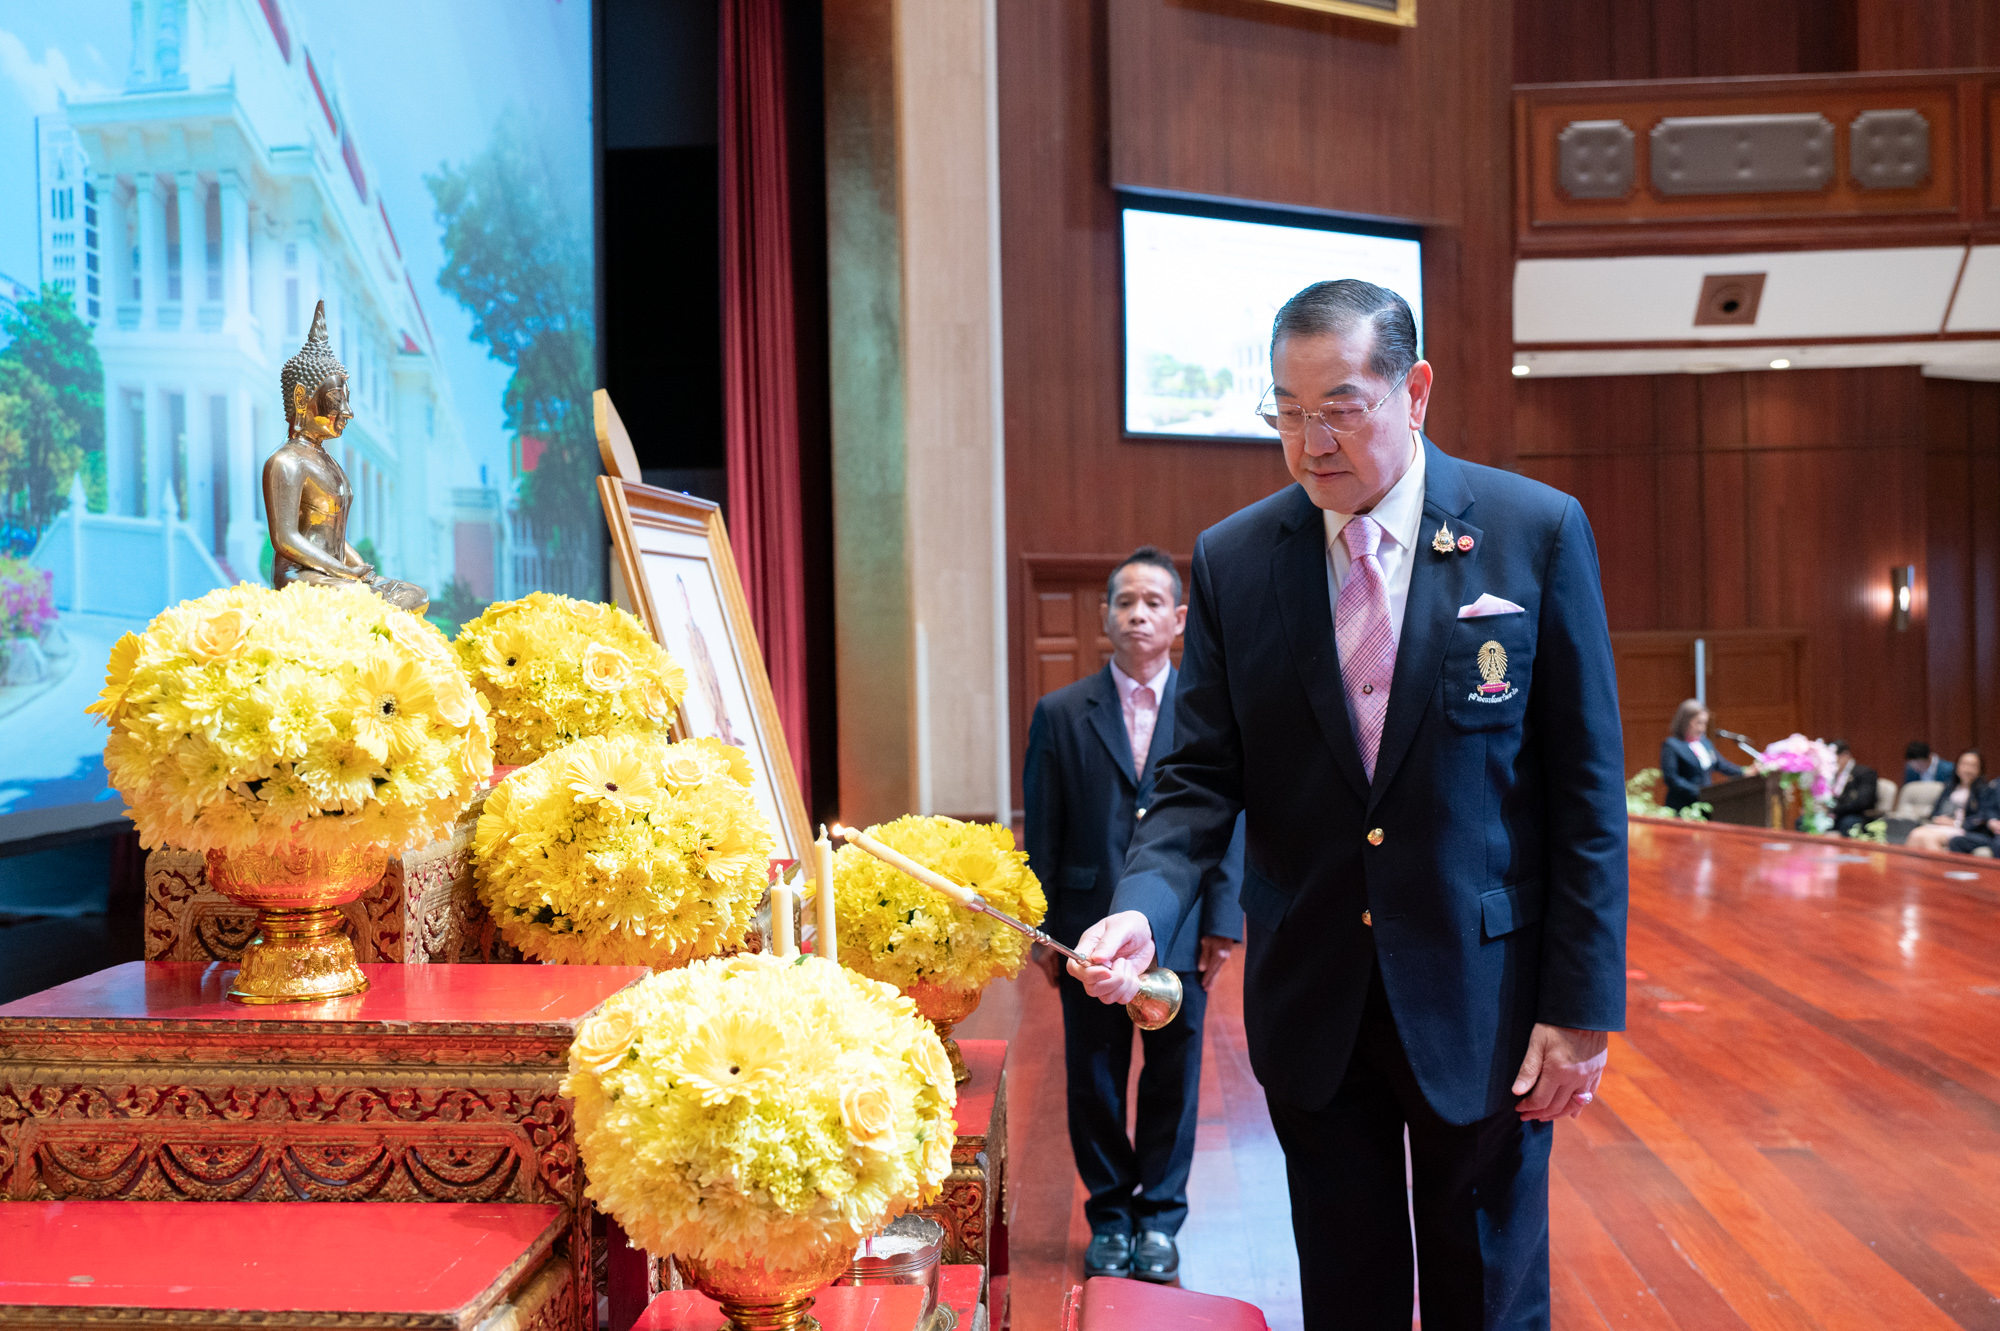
x=301, y=952
x=755, y=1298
x=944, y=1008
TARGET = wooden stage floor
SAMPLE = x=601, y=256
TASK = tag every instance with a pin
x=1800, y=1128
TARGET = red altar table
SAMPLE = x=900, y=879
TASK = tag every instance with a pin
x=153, y=1265
x=970, y=1210
x=439, y=1084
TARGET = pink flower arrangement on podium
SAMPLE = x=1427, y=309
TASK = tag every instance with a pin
x=1807, y=766
x=556, y=670
x=625, y=849
x=758, y=1117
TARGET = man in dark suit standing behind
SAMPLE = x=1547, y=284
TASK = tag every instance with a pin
x=1093, y=750
x=1400, y=670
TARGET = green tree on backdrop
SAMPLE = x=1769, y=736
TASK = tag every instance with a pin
x=516, y=243
x=51, y=408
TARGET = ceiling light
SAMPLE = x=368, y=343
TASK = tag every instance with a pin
x=1781, y=364
x=1521, y=370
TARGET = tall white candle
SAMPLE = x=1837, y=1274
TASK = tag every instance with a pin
x=782, y=941
x=829, y=946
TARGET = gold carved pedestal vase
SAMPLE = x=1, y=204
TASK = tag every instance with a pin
x=755, y=1298
x=301, y=952
x=944, y=1008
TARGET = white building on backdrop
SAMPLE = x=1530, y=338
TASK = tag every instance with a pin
x=196, y=216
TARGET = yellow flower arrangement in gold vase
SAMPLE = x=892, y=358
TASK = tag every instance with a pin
x=758, y=1117
x=895, y=929
x=625, y=849
x=298, y=737
x=555, y=669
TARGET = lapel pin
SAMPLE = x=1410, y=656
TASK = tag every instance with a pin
x=1442, y=541
x=1464, y=544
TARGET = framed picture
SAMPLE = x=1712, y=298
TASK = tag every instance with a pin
x=672, y=554
x=1402, y=13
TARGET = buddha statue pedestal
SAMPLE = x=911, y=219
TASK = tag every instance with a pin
x=143, y=1083
x=424, y=909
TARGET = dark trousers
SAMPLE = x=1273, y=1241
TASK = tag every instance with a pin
x=1140, y=1182
x=1479, y=1194
x=1970, y=841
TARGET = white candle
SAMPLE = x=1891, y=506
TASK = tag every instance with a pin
x=782, y=943
x=829, y=946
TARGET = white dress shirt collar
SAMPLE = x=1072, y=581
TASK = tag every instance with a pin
x=1401, y=517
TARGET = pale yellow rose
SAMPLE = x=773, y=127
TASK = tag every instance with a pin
x=653, y=701
x=217, y=636
x=604, y=1040
x=867, y=1114
x=685, y=769
x=454, y=701
x=929, y=1056
x=605, y=669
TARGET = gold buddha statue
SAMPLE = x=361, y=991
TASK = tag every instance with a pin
x=306, y=495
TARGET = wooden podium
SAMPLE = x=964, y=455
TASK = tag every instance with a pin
x=1757, y=800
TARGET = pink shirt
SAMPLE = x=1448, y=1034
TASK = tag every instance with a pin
x=1140, y=714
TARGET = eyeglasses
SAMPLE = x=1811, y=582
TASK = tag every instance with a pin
x=1345, y=416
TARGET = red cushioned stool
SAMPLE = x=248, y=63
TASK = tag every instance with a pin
x=1107, y=1303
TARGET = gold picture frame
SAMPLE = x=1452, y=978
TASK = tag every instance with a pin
x=1400, y=13
x=672, y=553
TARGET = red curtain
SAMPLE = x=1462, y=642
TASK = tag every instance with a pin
x=760, y=355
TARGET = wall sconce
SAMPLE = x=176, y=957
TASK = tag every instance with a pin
x=1902, y=590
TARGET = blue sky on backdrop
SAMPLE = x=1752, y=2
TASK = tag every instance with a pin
x=420, y=83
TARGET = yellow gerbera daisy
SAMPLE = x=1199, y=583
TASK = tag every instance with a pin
x=732, y=1054
x=611, y=773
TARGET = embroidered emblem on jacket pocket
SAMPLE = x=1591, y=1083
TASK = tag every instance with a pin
x=1493, y=670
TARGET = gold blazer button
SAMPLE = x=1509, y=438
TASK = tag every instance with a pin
x=1375, y=837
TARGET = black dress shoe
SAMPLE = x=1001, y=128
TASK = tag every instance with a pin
x=1157, y=1260
x=1108, y=1255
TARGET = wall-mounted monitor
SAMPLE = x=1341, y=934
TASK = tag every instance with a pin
x=1203, y=282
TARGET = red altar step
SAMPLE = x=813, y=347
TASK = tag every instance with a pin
x=838, y=1307
x=439, y=1085
x=146, y=1265
x=1106, y=1303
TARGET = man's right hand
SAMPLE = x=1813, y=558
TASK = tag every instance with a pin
x=1123, y=943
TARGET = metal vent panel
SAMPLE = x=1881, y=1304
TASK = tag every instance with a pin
x=1766, y=154
x=1595, y=159
x=1889, y=149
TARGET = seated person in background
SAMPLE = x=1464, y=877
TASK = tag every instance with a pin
x=1853, y=790
x=1963, y=813
x=1688, y=760
x=1920, y=765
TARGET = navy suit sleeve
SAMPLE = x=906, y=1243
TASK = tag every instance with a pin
x=1726, y=767
x=1575, y=703
x=1221, y=916
x=1680, y=789
x=1198, y=791
x=1041, y=785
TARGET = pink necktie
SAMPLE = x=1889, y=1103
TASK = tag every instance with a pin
x=1361, y=631
x=1140, y=714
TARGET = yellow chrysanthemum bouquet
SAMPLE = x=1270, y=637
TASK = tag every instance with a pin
x=319, y=717
x=555, y=670
x=897, y=930
x=625, y=849
x=760, y=1110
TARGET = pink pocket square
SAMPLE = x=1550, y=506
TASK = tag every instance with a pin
x=1489, y=604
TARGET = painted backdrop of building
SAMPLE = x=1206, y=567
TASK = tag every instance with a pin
x=194, y=214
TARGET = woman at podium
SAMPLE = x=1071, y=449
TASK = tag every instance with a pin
x=1687, y=760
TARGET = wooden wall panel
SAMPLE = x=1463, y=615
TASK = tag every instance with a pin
x=1581, y=41
x=1926, y=34
x=1256, y=101
x=1961, y=578
x=1775, y=501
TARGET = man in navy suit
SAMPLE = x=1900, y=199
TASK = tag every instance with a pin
x=1399, y=669
x=1093, y=753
